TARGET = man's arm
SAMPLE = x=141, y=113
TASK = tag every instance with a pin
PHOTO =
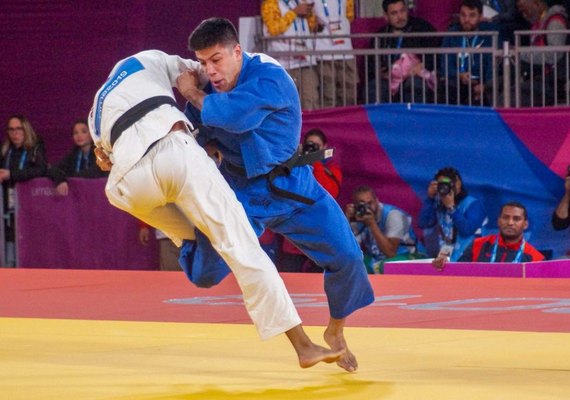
x=187, y=84
x=467, y=223
x=278, y=24
x=387, y=245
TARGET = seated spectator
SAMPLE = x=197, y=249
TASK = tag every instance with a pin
x=465, y=75
x=80, y=162
x=337, y=72
x=404, y=77
x=538, y=69
x=22, y=157
x=561, y=216
x=329, y=175
x=290, y=21
x=450, y=215
x=384, y=231
x=509, y=245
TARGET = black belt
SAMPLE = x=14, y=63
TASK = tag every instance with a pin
x=137, y=112
x=284, y=169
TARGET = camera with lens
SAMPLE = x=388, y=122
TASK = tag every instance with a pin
x=444, y=187
x=309, y=147
x=361, y=209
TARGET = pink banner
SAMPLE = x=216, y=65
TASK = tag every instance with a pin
x=79, y=231
x=543, y=269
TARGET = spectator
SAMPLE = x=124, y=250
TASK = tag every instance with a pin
x=466, y=74
x=337, y=71
x=413, y=82
x=538, y=69
x=168, y=252
x=509, y=245
x=450, y=215
x=384, y=231
x=291, y=20
x=22, y=157
x=504, y=15
x=329, y=175
x=79, y=163
x=561, y=216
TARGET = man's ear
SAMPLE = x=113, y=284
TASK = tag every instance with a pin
x=238, y=52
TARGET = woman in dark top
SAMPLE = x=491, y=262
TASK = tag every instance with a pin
x=22, y=157
x=79, y=162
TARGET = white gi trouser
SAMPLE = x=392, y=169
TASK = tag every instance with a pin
x=175, y=187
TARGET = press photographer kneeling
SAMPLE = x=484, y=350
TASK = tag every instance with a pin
x=450, y=217
x=383, y=231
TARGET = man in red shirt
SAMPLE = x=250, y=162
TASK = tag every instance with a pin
x=508, y=246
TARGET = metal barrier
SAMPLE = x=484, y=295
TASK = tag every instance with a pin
x=512, y=82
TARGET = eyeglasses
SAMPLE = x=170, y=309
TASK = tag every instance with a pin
x=16, y=129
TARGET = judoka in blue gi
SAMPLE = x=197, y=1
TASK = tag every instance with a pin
x=251, y=110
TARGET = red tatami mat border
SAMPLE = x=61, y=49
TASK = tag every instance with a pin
x=514, y=304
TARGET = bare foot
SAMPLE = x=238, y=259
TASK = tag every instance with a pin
x=316, y=354
x=337, y=342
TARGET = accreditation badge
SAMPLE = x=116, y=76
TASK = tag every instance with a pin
x=335, y=28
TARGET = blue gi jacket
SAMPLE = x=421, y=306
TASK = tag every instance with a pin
x=257, y=125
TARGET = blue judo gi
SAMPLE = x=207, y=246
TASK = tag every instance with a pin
x=257, y=126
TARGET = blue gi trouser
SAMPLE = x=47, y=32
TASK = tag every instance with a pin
x=322, y=232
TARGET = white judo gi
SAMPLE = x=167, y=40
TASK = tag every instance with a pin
x=174, y=186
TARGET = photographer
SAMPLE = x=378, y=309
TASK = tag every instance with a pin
x=329, y=175
x=326, y=172
x=450, y=214
x=383, y=231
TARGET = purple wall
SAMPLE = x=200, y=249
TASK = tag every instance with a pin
x=56, y=54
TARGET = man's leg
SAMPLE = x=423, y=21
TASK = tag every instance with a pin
x=333, y=247
x=178, y=170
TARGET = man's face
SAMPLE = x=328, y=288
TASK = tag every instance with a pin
x=367, y=198
x=469, y=18
x=222, y=64
x=529, y=9
x=512, y=223
x=397, y=15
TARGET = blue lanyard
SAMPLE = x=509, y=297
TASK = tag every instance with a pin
x=326, y=7
x=81, y=157
x=22, y=159
x=463, y=56
x=496, y=5
x=446, y=227
x=518, y=257
x=295, y=21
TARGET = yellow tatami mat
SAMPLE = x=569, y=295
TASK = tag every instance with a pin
x=87, y=360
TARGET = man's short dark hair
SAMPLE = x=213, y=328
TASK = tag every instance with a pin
x=386, y=3
x=316, y=132
x=472, y=4
x=211, y=32
x=515, y=204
